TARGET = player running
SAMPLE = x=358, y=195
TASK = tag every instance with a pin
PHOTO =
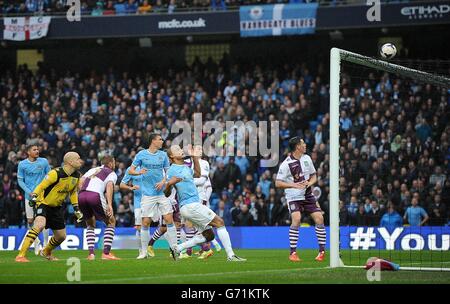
x=182, y=178
x=296, y=175
x=133, y=183
x=30, y=173
x=95, y=205
x=49, y=196
x=153, y=163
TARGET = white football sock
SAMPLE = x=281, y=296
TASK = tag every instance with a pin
x=145, y=238
x=45, y=233
x=138, y=238
x=198, y=239
x=224, y=237
x=171, y=235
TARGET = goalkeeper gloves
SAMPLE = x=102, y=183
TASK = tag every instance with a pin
x=78, y=214
x=32, y=201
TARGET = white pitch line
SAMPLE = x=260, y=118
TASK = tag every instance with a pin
x=174, y=276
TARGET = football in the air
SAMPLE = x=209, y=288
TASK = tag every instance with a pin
x=388, y=51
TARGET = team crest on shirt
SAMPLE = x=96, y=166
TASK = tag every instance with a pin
x=306, y=163
x=74, y=181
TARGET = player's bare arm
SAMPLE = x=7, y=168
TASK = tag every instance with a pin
x=312, y=180
x=133, y=171
x=109, y=198
x=170, y=184
x=161, y=184
x=196, y=153
x=80, y=184
x=130, y=187
x=286, y=185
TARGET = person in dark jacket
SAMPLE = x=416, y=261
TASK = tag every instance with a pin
x=244, y=218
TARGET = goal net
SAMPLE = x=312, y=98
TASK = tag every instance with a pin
x=389, y=153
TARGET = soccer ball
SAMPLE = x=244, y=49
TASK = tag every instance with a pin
x=388, y=51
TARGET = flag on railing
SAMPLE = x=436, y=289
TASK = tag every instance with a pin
x=25, y=28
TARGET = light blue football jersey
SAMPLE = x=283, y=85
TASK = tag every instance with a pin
x=155, y=163
x=186, y=189
x=30, y=174
x=135, y=180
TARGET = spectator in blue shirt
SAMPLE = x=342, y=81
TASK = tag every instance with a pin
x=285, y=134
x=391, y=219
x=223, y=210
x=345, y=122
x=242, y=162
x=120, y=7
x=265, y=183
x=423, y=130
x=131, y=7
x=416, y=215
x=218, y=5
x=352, y=208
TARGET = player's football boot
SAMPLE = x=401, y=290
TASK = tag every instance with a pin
x=21, y=259
x=49, y=257
x=150, y=251
x=142, y=255
x=206, y=254
x=91, y=257
x=320, y=257
x=293, y=257
x=174, y=253
x=184, y=255
x=218, y=247
x=109, y=256
x=37, y=246
x=235, y=258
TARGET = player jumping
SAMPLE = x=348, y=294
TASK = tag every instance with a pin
x=191, y=209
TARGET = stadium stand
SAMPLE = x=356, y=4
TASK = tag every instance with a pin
x=385, y=122
x=124, y=7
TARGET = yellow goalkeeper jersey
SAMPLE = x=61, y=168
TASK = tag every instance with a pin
x=56, y=186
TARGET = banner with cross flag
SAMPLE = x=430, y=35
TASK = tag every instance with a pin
x=25, y=28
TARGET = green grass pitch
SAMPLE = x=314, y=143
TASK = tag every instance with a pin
x=263, y=266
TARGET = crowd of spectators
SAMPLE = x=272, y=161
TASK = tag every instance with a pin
x=394, y=142
x=124, y=7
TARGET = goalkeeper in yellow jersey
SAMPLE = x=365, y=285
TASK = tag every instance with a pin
x=49, y=196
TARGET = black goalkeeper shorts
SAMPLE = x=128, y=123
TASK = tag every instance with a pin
x=54, y=216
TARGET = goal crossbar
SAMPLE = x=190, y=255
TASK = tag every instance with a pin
x=336, y=56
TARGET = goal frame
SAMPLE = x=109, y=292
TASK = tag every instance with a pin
x=336, y=57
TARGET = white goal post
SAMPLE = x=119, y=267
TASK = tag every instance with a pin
x=336, y=56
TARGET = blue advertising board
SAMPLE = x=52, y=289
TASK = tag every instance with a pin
x=356, y=238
